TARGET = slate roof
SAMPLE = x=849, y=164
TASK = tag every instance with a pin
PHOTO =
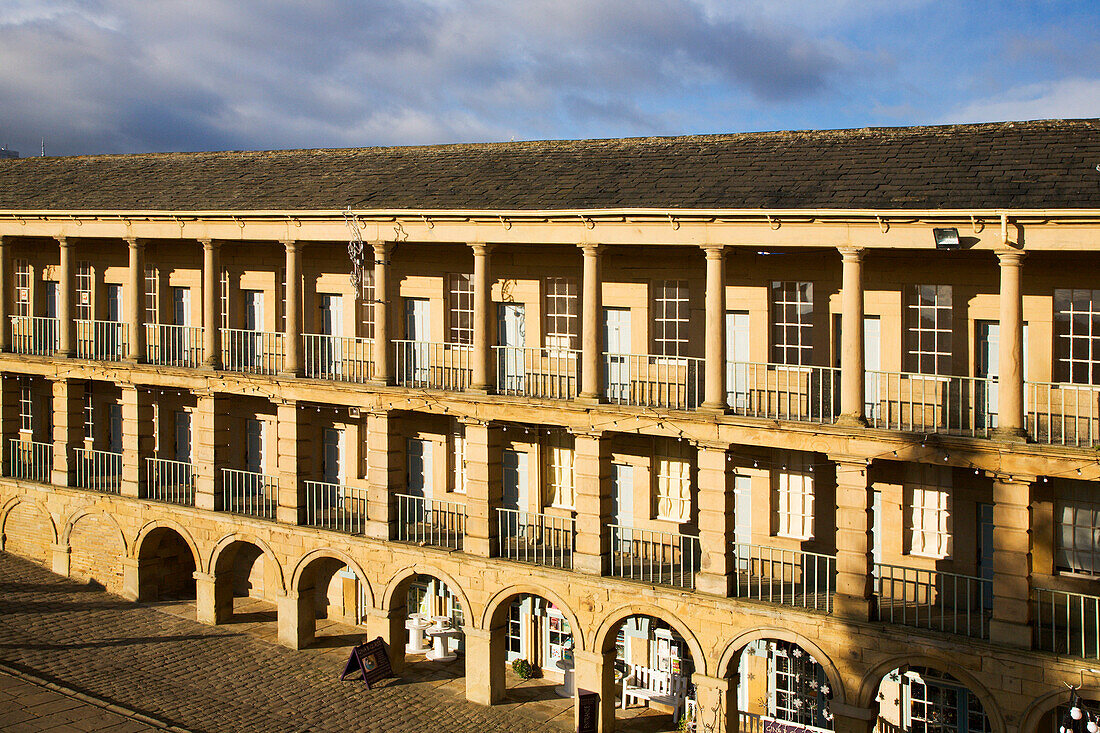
x=1044, y=164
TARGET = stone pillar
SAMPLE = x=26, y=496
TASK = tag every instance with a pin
x=851, y=719
x=211, y=304
x=383, y=359
x=1010, y=379
x=852, y=380
x=716, y=699
x=1011, y=623
x=854, y=596
x=714, y=385
x=136, y=311
x=385, y=463
x=481, y=359
x=484, y=665
x=294, y=460
x=390, y=625
x=68, y=428
x=212, y=432
x=591, y=330
x=592, y=490
x=131, y=579
x=716, y=518
x=484, y=488
x=137, y=437
x=66, y=326
x=60, y=555
x=6, y=287
x=595, y=672
x=296, y=622
x=213, y=600
x=293, y=366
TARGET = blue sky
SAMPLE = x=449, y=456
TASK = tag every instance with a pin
x=112, y=76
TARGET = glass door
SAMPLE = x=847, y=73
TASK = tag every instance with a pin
x=616, y=338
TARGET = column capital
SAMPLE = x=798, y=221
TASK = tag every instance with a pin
x=713, y=251
x=1010, y=257
x=590, y=249
x=135, y=242
x=210, y=244
x=382, y=248
x=63, y=241
x=293, y=245
x=481, y=249
x=851, y=253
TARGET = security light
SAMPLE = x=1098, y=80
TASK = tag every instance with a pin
x=946, y=238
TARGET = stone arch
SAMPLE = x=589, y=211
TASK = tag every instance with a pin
x=27, y=546
x=327, y=552
x=1043, y=704
x=95, y=560
x=602, y=639
x=217, y=554
x=143, y=534
x=732, y=654
x=498, y=604
x=399, y=583
x=869, y=685
x=79, y=514
x=167, y=560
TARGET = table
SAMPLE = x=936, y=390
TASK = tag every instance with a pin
x=440, y=635
x=416, y=624
x=565, y=689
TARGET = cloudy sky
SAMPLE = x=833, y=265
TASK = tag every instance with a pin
x=107, y=76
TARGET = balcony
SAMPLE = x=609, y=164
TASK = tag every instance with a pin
x=338, y=358
x=35, y=336
x=931, y=599
x=250, y=493
x=30, y=460
x=537, y=372
x=782, y=392
x=787, y=577
x=924, y=403
x=432, y=365
x=430, y=522
x=170, y=481
x=252, y=352
x=1063, y=414
x=101, y=340
x=654, y=556
x=645, y=380
x=97, y=470
x=168, y=345
x=1067, y=623
x=336, y=507
x=539, y=539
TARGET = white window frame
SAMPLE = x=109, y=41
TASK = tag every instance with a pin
x=928, y=330
x=460, y=309
x=558, y=476
x=562, y=313
x=152, y=294
x=458, y=457
x=224, y=294
x=1077, y=536
x=1077, y=352
x=26, y=407
x=792, y=306
x=929, y=501
x=84, y=306
x=795, y=501
x=672, y=484
x=366, y=305
x=671, y=318
x=22, y=288
x=89, y=413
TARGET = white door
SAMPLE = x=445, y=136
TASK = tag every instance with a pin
x=52, y=299
x=113, y=335
x=616, y=339
x=178, y=343
x=330, y=324
x=622, y=494
x=510, y=327
x=181, y=306
x=183, y=436
x=254, y=321
x=114, y=439
x=420, y=468
x=333, y=457
x=737, y=359
x=48, y=336
x=742, y=516
x=514, y=479
x=114, y=303
x=417, y=333
x=987, y=367
x=254, y=445
x=872, y=363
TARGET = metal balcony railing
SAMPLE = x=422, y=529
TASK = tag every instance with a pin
x=654, y=556
x=432, y=365
x=30, y=460
x=169, y=345
x=540, y=539
x=646, y=380
x=251, y=493
x=170, y=481
x=925, y=403
x=252, y=352
x=787, y=577
x=339, y=358
x=336, y=507
x=98, y=470
x=34, y=335
x=537, y=372
x=430, y=521
x=782, y=392
x=101, y=340
x=932, y=599
x=1067, y=623
x=1063, y=414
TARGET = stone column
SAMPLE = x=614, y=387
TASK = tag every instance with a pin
x=716, y=699
x=213, y=600
x=385, y=462
x=481, y=358
x=212, y=431
x=484, y=488
x=854, y=578
x=383, y=359
x=1011, y=623
x=1010, y=380
x=211, y=304
x=297, y=623
x=136, y=311
x=851, y=334
x=390, y=625
x=137, y=437
x=66, y=326
x=592, y=490
x=484, y=665
x=714, y=385
x=852, y=719
x=293, y=366
x=68, y=428
x=716, y=504
x=591, y=330
x=59, y=559
x=294, y=461
x=595, y=672
x=131, y=579
x=6, y=287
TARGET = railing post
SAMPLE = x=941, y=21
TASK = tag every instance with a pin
x=590, y=325
x=5, y=294
x=716, y=505
x=484, y=487
x=1011, y=623
x=68, y=427
x=136, y=310
x=483, y=376
x=137, y=437
x=211, y=304
x=212, y=431
x=592, y=496
x=714, y=386
x=854, y=596
x=383, y=360
x=852, y=382
x=292, y=365
x=294, y=460
x=66, y=345
x=385, y=460
x=1010, y=377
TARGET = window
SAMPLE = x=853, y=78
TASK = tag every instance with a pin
x=673, y=488
x=798, y=683
x=670, y=318
x=792, y=322
x=152, y=294
x=89, y=413
x=559, y=470
x=460, y=309
x=83, y=291
x=26, y=419
x=458, y=458
x=280, y=299
x=937, y=703
x=561, y=313
x=366, y=305
x=22, y=288
x=929, y=491
x=795, y=501
x=928, y=330
x=1077, y=335
x=514, y=640
x=1078, y=532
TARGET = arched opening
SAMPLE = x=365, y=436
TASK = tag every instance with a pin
x=166, y=568
x=653, y=668
x=29, y=532
x=778, y=681
x=332, y=603
x=538, y=650
x=434, y=617
x=96, y=551
x=247, y=584
x=921, y=699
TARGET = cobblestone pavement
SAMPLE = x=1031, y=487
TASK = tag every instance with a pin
x=26, y=707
